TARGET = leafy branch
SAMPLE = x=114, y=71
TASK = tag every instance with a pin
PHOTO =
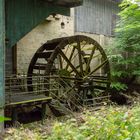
x=125, y=53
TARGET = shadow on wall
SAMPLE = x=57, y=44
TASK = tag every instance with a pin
x=47, y=30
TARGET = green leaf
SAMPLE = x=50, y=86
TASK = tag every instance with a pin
x=2, y=119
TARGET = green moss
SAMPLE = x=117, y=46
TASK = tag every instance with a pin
x=109, y=123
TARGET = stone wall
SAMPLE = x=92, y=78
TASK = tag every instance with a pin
x=101, y=39
x=47, y=30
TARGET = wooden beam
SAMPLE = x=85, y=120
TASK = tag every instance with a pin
x=14, y=59
x=24, y=15
x=66, y=3
x=2, y=56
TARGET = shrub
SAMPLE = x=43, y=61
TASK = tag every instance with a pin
x=111, y=123
x=126, y=45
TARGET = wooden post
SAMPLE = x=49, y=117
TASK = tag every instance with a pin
x=43, y=112
x=2, y=57
x=14, y=116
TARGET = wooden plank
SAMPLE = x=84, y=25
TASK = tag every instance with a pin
x=66, y=3
x=24, y=15
x=40, y=66
x=26, y=99
x=2, y=52
x=2, y=59
x=43, y=54
x=95, y=16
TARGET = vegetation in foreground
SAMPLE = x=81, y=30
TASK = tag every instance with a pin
x=109, y=123
x=113, y=123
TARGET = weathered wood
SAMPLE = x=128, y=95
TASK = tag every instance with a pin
x=101, y=65
x=81, y=74
x=23, y=15
x=14, y=116
x=43, y=112
x=80, y=56
x=98, y=17
x=43, y=54
x=2, y=57
x=40, y=66
x=66, y=3
x=26, y=99
x=67, y=60
x=70, y=57
x=90, y=58
x=60, y=60
x=2, y=51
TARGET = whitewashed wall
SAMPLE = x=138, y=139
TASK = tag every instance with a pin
x=47, y=30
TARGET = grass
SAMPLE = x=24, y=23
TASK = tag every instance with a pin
x=109, y=123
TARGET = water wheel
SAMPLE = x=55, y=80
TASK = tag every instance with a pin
x=77, y=63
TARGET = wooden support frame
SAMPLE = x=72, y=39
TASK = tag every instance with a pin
x=15, y=106
x=66, y=3
x=2, y=56
x=14, y=59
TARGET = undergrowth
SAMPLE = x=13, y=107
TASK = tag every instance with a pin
x=124, y=51
x=113, y=123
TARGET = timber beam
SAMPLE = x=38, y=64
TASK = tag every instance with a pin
x=2, y=59
x=66, y=3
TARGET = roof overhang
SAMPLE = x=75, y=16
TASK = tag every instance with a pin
x=66, y=3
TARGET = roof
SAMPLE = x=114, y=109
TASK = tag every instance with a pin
x=66, y=3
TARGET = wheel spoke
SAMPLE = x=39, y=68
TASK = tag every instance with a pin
x=66, y=51
x=72, y=52
x=77, y=52
x=97, y=68
x=80, y=56
x=67, y=60
x=60, y=61
x=78, y=66
x=89, y=60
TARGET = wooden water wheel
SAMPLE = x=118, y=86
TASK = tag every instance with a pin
x=77, y=63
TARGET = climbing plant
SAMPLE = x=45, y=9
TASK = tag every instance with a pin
x=125, y=53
